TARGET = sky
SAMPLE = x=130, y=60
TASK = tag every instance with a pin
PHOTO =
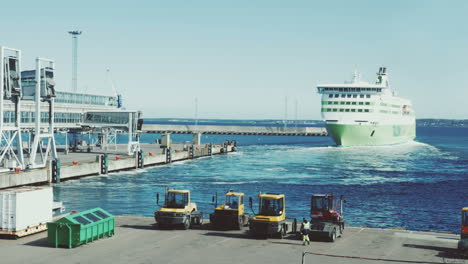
x=248, y=59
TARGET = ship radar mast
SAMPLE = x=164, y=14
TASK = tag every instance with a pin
x=356, y=77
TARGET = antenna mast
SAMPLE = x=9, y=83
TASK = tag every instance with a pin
x=196, y=113
x=295, y=112
x=285, y=111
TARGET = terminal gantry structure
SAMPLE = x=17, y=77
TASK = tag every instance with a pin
x=32, y=112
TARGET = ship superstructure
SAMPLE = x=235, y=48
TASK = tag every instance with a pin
x=360, y=113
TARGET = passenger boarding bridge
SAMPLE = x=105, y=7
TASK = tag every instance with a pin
x=28, y=100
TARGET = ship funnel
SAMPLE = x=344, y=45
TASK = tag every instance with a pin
x=382, y=77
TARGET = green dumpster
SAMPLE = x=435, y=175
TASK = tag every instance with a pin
x=81, y=228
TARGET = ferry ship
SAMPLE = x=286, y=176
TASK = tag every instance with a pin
x=364, y=114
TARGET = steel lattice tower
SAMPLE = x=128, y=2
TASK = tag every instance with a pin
x=75, y=35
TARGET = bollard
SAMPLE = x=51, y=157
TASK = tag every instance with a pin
x=191, y=152
x=140, y=159
x=224, y=150
x=56, y=171
x=210, y=149
x=104, y=163
x=168, y=155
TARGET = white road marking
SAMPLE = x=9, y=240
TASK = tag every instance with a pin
x=219, y=242
x=341, y=240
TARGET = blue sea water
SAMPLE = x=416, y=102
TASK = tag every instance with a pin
x=420, y=185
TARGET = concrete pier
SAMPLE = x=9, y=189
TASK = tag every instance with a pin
x=235, y=130
x=137, y=240
x=79, y=164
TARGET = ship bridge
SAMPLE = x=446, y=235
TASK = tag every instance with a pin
x=357, y=86
x=352, y=88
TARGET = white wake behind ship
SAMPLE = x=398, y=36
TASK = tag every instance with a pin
x=364, y=114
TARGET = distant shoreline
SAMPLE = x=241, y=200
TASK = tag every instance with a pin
x=430, y=122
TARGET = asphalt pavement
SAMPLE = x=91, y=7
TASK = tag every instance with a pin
x=138, y=240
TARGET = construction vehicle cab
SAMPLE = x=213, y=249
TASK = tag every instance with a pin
x=177, y=210
x=231, y=213
x=327, y=219
x=463, y=243
x=271, y=218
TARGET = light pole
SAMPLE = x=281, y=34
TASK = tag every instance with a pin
x=75, y=35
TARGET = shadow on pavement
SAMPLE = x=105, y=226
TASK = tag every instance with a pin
x=443, y=252
x=141, y=227
x=231, y=235
x=246, y=235
x=298, y=243
x=42, y=242
x=8, y=237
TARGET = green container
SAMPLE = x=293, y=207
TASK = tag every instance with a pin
x=81, y=228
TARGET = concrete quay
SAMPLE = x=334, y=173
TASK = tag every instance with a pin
x=235, y=130
x=80, y=164
x=137, y=240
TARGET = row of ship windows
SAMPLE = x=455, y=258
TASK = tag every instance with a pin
x=390, y=105
x=389, y=112
x=346, y=103
x=30, y=117
x=346, y=110
x=357, y=110
x=349, y=95
x=357, y=103
x=352, y=89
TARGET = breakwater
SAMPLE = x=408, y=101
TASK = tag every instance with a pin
x=235, y=130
